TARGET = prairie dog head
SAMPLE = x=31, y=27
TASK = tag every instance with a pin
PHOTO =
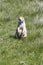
x=21, y=19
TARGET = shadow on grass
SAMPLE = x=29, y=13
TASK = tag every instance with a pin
x=14, y=37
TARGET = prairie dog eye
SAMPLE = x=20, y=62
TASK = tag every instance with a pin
x=19, y=19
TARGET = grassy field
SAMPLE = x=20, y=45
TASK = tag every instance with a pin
x=28, y=51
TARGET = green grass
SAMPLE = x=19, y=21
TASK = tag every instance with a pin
x=28, y=51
